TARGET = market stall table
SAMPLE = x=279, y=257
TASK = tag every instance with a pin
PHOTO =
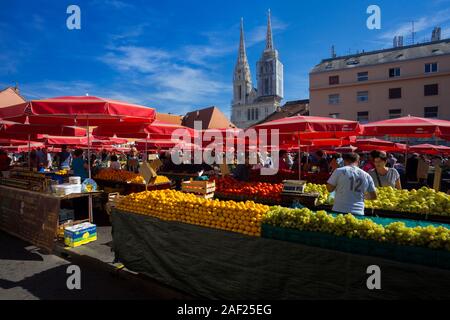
x=33, y=216
x=216, y=264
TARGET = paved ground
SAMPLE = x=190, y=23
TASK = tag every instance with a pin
x=26, y=273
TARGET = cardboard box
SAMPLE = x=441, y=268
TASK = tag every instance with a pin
x=77, y=235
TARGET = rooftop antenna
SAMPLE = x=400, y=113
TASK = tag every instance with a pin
x=333, y=52
x=413, y=33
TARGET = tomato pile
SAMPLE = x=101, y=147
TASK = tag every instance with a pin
x=231, y=188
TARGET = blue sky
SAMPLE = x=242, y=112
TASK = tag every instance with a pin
x=179, y=55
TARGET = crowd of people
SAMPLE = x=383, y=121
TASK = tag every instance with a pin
x=41, y=160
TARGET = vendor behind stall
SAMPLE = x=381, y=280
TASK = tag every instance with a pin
x=382, y=175
x=5, y=161
x=133, y=161
x=115, y=164
x=64, y=158
x=80, y=165
x=242, y=170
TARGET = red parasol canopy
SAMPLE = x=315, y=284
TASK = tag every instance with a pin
x=306, y=127
x=14, y=142
x=378, y=144
x=77, y=110
x=60, y=141
x=22, y=148
x=156, y=130
x=407, y=127
x=430, y=149
x=11, y=128
x=164, y=144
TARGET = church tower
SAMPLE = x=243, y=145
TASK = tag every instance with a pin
x=269, y=68
x=250, y=105
x=242, y=80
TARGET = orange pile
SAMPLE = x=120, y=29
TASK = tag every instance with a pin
x=171, y=205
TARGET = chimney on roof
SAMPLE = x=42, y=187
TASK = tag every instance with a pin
x=436, y=34
x=398, y=41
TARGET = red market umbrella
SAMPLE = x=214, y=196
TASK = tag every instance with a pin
x=430, y=149
x=14, y=142
x=61, y=141
x=156, y=130
x=77, y=111
x=22, y=148
x=381, y=145
x=13, y=128
x=164, y=144
x=346, y=149
x=108, y=141
x=307, y=127
x=409, y=126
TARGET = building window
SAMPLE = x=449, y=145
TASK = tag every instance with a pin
x=363, y=76
x=395, y=113
x=333, y=99
x=362, y=96
x=394, y=72
x=431, y=90
x=333, y=80
x=240, y=92
x=256, y=114
x=395, y=93
x=249, y=118
x=431, y=67
x=363, y=116
x=266, y=86
x=431, y=112
x=334, y=115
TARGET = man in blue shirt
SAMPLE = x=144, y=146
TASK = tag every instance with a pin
x=352, y=186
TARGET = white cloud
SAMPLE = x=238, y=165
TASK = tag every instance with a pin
x=116, y=4
x=421, y=24
x=137, y=59
x=226, y=42
x=163, y=77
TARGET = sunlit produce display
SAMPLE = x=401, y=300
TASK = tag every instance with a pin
x=352, y=227
x=170, y=205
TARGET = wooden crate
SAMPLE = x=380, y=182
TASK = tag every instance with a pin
x=198, y=187
x=113, y=199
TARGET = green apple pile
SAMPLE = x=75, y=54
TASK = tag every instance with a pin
x=423, y=201
x=349, y=226
x=321, y=189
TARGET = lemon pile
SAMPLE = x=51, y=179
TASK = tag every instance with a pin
x=423, y=201
x=160, y=180
x=171, y=205
x=349, y=226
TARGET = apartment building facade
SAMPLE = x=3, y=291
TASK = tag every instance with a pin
x=372, y=86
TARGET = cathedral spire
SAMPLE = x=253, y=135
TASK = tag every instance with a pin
x=242, y=58
x=269, y=39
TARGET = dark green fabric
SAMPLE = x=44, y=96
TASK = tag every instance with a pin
x=215, y=264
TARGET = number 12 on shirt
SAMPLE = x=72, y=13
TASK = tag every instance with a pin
x=355, y=184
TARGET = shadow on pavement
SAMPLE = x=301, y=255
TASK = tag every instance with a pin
x=12, y=248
